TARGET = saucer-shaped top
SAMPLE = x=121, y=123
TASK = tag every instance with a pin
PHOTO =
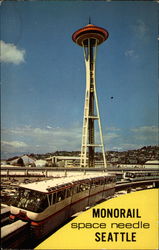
x=96, y=34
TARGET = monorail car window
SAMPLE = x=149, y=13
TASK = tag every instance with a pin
x=43, y=203
x=86, y=185
x=74, y=189
x=60, y=195
x=30, y=200
x=82, y=187
x=97, y=182
x=114, y=178
x=102, y=181
x=53, y=198
x=93, y=184
x=50, y=199
x=78, y=188
x=129, y=174
x=105, y=181
x=109, y=180
x=68, y=192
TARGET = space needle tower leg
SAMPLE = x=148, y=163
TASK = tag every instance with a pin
x=89, y=38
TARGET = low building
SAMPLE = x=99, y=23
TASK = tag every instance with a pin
x=40, y=163
x=152, y=164
x=65, y=161
x=24, y=160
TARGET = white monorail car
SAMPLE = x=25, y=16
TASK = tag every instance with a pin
x=47, y=204
x=141, y=175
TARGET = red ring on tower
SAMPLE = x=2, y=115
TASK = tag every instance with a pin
x=90, y=31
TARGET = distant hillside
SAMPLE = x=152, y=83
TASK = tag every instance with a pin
x=136, y=156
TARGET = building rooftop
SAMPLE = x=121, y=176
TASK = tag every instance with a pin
x=152, y=162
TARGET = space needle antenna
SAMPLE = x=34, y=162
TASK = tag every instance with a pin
x=89, y=37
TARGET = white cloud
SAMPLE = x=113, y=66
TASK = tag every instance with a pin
x=11, y=54
x=42, y=140
x=145, y=129
x=44, y=133
x=146, y=134
x=13, y=148
x=47, y=140
x=51, y=139
x=130, y=53
x=15, y=144
x=140, y=29
x=112, y=129
x=129, y=146
x=110, y=136
x=131, y=138
x=49, y=127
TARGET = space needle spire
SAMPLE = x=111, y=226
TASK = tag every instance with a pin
x=89, y=37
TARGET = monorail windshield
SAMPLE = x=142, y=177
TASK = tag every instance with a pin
x=30, y=200
x=130, y=175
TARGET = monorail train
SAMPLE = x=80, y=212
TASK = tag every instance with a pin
x=141, y=175
x=47, y=204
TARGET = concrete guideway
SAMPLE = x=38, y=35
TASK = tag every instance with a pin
x=60, y=172
x=13, y=235
x=5, y=211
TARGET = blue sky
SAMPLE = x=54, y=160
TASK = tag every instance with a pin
x=43, y=74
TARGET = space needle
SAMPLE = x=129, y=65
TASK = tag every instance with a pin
x=89, y=37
